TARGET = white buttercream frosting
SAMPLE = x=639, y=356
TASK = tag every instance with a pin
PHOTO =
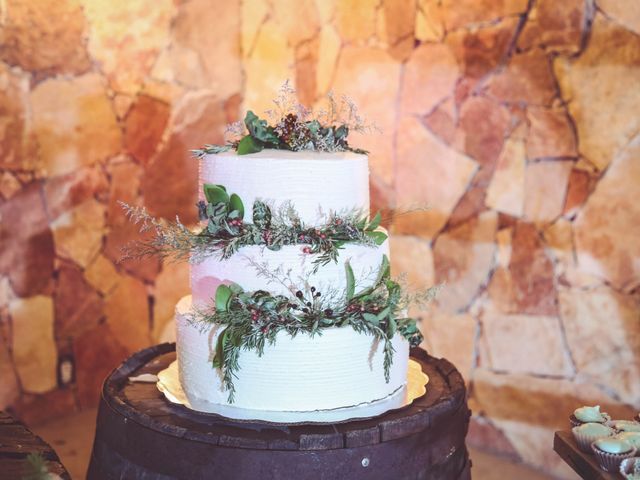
x=337, y=369
x=313, y=182
x=207, y=275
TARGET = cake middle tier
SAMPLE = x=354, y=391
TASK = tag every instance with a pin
x=313, y=182
x=290, y=261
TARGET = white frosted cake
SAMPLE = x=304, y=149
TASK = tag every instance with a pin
x=334, y=368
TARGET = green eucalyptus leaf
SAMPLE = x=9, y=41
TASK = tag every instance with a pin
x=274, y=247
x=235, y=288
x=375, y=223
x=371, y=318
x=361, y=224
x=260, y=130
x=215, y=194
x=384, y=271
x=384, y=313
x=235, y=203
x=351, y=281
x=223, y=297
x=248, y=145
x=378, y=237
x=391, y=327
x=341, y=132
x=218, y=359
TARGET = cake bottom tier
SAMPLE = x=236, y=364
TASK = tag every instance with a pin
x=339, y=368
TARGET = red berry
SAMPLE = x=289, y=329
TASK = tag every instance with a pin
x=306, y=250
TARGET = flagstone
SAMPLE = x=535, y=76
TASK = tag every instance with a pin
x=328, y=51
x=144, y=125
x=355, y=19
x=102, y=274
x=127, y=311
x=31, y=40
x=25, y=235
x=429, y=77
x=74, y=123
x=430, y=174
x=506, y=192
x=9, y=387
x=601, y=84
x=625, y=12
x=78, y=307
x=603, y=334
x=555, y=26
x=15, y=151
x=606, y=245
x=78, y=232
x=64, y=192
x=545, y=189
x=33, y=346
x=463, y=258
x=463, y=13
x=527, y=78
x=371, y=78
x=550, y=134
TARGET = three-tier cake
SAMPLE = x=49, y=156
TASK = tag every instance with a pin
x=337, y=368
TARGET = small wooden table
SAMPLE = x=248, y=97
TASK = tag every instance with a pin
x=16, y=442
x=141, y=435
x=583, y=464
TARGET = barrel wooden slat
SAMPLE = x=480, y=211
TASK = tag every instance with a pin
x=16, y=443
x=142, y=434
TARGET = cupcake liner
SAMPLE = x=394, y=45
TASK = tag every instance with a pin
x=610, y=462
x=584, y=441
x=626, y=467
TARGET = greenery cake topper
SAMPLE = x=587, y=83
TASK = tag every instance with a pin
x=294, y=127
x=251, y=320
x=226, y=230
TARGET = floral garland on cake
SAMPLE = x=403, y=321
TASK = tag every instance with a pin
x=226, y=231
x=251, y=320
x=294, y=127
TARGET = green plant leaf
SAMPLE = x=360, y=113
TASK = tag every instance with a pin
x=384, y=271
x=248, y=145
x=378, y=237
x=341, y=132
x=374, y=223
x=371, y=318
x=391, y=327
x=223, y=297
x=235, y=203
x=351, y=281
x=218, y=359
x=215, y=194
x=260, y=130
x=383, y=314
x=261, y=215
x=235, y=288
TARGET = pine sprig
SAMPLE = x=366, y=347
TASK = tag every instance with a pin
x=226, y=231
x=251, y=320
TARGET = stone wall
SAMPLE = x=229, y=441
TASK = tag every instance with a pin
x=515, y=120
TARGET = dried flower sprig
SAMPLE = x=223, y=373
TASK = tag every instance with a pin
x=251, y=320
x=226, y=231
x=294, y=127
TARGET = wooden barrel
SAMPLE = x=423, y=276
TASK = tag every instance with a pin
x=17, y=442
x=141, y=435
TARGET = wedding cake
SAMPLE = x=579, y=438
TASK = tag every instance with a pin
x=292, y=306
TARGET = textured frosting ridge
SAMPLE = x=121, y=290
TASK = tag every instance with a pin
x=338, y=368
x=313, y=182
x=207, y=275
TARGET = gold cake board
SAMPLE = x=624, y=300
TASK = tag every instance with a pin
x=169, y=384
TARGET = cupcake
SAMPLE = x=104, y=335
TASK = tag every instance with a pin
x=624, y=425
x=611, y=451
x=588, y=415
x=587, y=433
x=632, y=437
x=630, y=468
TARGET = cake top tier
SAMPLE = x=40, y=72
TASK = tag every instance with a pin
x=313, y=183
